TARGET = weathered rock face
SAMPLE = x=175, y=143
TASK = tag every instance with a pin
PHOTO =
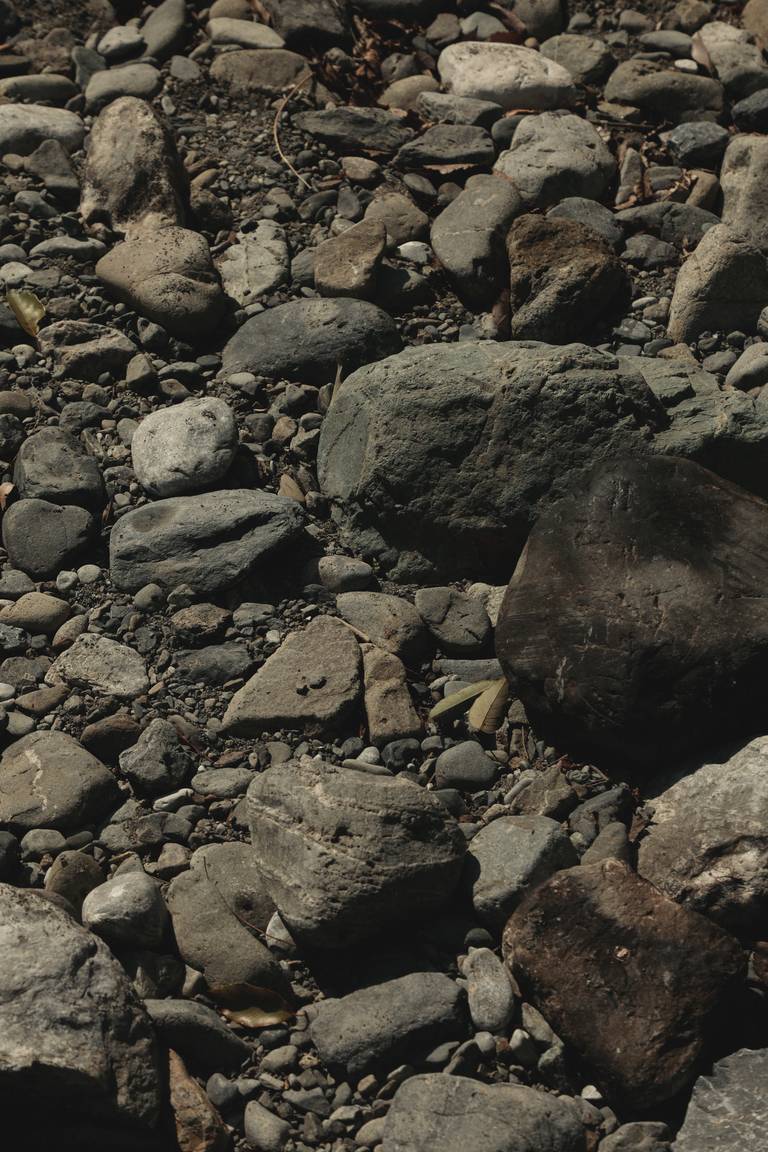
x=555, y=155
x=449, y=451
x=48, y=780
x=186, y=447
x=636, y=621
x=657, y=975
x=743, y=179
x=727, y=1109
x=209, y=542
x=52, y=466
x=508, y=74
x=133, y=179
x=72, y=1032
x=707, y=846
x=345, y=854
x=724, y=282
x=663, y=91
x=454, y=1113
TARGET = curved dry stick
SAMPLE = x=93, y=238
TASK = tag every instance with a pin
x=276, y=122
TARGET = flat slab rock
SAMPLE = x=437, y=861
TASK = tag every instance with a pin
x=728, y=1112
x=345, y=854
x=101, y=665
x=657, y=976
x=312, y=683
x=439, y=1113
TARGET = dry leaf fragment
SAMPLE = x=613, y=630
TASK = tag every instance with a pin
x=26, y=308
x=457, y=700
x=250, y=1005
x=488, y=711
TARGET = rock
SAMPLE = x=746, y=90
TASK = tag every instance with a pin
x=586, y=58
x=402, y=218
x=723, y=284
x=454, y=1113
x=742, y=177
x=167, y=275
x=36, y=612
x=344, y=573
x=72, y=1031
x=467, y=238
x=750, y=370
x=42, y=538
x=465, y=766
x=84, y=351
x=210, y=541
x=490, y=995
x=309, y=24
x=141, y=81
x=311, y=683
x=388, y=621
x=736, y=60
x=443, y=108
x=158, y=763
x=164, y=30
x=727, y=1109
x=671, y=683
x=348, y=129
x=263, y=1129
x=48, y=780
x=199, y=1128
x=564, y=280
x=751, y=114
x=51, y=465
x=184, y=448
x=662, y=91
x=388, y=705
x=509, y=858
x=404, y=93
x=707, y=845
x=101, y=665
x=507, y=74
x=270, y=70
x=51, y=164
x=121, y=42
x=127, y=911
x=683, y=225
x=307, y=340
x=461, y=144
x=450, y=451
x=399, y=855
x=214, y=664
x=388, y=1024
x=257, y=264
x=602, y=925
x=591, y=215
x=133, y=178
x=23, y=127
x=198, y=1034
x=699, y=144
x=347, y=265
x=73, y=875
x=555, y=155
x=244, y=33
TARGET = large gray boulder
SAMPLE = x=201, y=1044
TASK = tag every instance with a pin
x=308, y=340
x=345, y=854
x=209, y=541
x=72, y=1032
x=707, y=845
x=48, y=780
x=728, y=1110
x=133, y=177
x=439, y=1113
x=722, y=285
x=450, y=451
x=554, y=155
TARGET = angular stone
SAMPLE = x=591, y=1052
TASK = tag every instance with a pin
x=83, y=351
x=607, y=652
x=707, y=845
x=657, y=975
x=168, y=276
x=48, y=780
x=199, y=1127
x=508, y=74
x=198, y=1034
x=309, y=24
x=270, y=70
x=401, y=217
x=388, y=705
x=454, y=144
x=555, y=155
x=346, y=854
x=587, y=58
x=743, y=179
x=133, y=178
x=72, y=1032
x=101, y=665
x=312, y=683
x=388, y=621
x=42, y=538
x=459, y=623
x=52, y=465
x=158, y=763
x=723, y=284
x=142, y=81
x=307, y=340
x=23, y=127
x=388, y=1024
x=185, y=447
x=727, y=1108
x=209, y=541
x=736, y=60
x=51, y=163
x=346, y=265
x=257, y=264
x=345, y=129
x=443, y=108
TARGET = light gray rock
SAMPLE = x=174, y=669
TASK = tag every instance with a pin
x=83, y=351
x=140, y=80
x=402, y=218
x=127, y=911
x=185, y=447
x=257, y=264
x=724, y=283
x=490, y=994
x=244, y=33
x=707, y=845
x=389, y=1024
x=311, y=683
x=133, y=178
x=443, y=108
x=389, y=709
x=750, y=370
x=348, y=264
x=587, y=58
x=167, y=275
x=727, y=1109
x=743, y=178
x=388, y=621
x=399, y=855
x=265, y=70
x=48, y=780
x=507, y=74
x=735, y=58
x=101, y=665
x=510, y=857
x=71, y=1030
x=454, y=1113
x=554, y=155
x=23, y=127
x=208, y=541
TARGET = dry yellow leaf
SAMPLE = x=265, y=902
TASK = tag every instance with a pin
x=26, y=308
x=488, y=711
x=456, y=701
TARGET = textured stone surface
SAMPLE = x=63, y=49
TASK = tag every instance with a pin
x=554, y=155
x=48, y=780
x=508, y=74
x=727, y=1110
x=186, y=447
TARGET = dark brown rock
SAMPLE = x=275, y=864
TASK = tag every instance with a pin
x=628, y=979
x=636, y=622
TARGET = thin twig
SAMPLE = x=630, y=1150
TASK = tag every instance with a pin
x=275, y=135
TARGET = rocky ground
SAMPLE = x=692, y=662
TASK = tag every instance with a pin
x=383, y=611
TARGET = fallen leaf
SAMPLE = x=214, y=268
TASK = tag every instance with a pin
x=26, y=308
x=488, y=711
x=250, y=1005
x=6, y=491
x=456, y=700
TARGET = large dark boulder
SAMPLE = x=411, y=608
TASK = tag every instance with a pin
x=636, y=622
